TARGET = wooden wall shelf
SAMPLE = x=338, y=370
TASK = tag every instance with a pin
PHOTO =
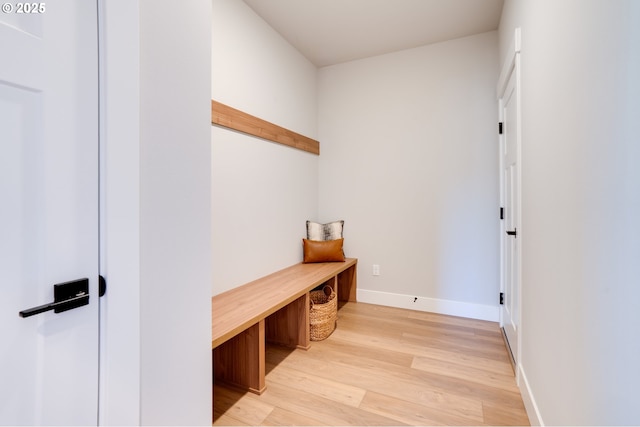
x=228, y=117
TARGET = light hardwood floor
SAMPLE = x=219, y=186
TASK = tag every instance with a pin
x=385, y=366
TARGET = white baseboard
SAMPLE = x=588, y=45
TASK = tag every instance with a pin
x=440, y=306
x=529, y=402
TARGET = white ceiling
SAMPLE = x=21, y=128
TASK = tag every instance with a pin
x=328, y=32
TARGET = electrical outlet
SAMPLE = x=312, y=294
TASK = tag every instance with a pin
x=376, y=269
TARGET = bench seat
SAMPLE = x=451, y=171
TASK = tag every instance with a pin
x=274, y=308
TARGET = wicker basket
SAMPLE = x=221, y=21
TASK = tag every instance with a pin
x=323, y=313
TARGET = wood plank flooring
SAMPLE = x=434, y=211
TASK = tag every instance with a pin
x=385, y=366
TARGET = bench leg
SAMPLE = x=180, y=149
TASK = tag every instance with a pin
x=347, y=284
x=289, y=326
x=240, y=362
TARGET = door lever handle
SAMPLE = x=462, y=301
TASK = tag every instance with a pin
x=513, y=233
x=66, y=296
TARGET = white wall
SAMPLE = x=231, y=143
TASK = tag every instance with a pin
x=580, y=208
x=410, y=162
x=175, y=212
x=156, y=213
x=262, y=192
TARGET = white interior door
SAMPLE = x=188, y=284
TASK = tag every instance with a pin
x=509, y=160
x=48, y=210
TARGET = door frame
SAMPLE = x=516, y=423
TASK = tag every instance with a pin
x=511, y=66
x=134, y=149
x=119, y=84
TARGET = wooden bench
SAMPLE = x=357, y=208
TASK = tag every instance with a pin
x=274, y=308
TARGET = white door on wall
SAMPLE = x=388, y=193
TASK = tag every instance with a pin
x=48, y=212
x=510, y=197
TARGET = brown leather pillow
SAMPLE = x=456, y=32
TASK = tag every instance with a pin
x=322, y=250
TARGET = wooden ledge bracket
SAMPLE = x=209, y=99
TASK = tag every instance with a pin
x=228, y=117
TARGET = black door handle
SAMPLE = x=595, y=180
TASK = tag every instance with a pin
x=513, y=233
x=66, y=296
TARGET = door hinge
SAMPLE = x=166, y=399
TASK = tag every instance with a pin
x=501, y=298
x=501, y=213
x=500, y=128
x=102, y=286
